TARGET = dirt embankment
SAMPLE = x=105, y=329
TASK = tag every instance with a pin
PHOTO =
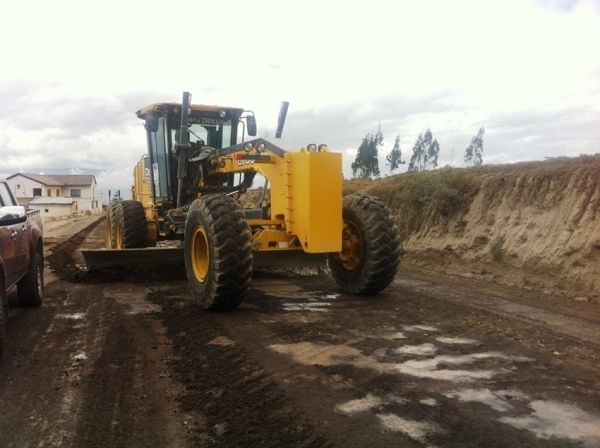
x=533, y=224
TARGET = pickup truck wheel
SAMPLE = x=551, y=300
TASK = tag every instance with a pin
x=218, y=252
x=3, y=300
x=30, y=288
x=131, y=231
x=370, y=252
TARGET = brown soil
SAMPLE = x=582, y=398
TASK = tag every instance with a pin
x=126, y=359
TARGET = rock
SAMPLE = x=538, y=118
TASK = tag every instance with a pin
x=582, y=299
x=219, y=429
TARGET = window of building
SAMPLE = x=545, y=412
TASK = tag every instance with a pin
x=57, y=192
x=46, y=210
x=75, y=193
x=37, y=192
x=49, y=191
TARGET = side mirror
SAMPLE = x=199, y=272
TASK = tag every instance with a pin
x=14, y=214
x=251, y=124
x=151, y=121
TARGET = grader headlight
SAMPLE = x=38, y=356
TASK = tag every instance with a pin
x=322, y=147
x=311, y=147
x=261, y=147
x=248, y=146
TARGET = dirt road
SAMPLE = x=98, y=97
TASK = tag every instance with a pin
x=126, y=359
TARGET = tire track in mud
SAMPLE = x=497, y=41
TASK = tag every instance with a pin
x=579, y=328
x=123, y=398
x=240, y=405
x=61, y=257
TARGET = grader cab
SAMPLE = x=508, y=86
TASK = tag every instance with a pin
x=186, y=189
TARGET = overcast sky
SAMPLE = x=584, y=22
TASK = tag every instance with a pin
x=73, y=74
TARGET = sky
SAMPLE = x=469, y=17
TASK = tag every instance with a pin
x=74, y=73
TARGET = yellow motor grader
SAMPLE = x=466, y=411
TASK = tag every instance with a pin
x=186, y=189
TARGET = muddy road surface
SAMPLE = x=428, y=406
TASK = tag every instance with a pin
x=126, y=359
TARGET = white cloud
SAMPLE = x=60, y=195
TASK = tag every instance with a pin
x=70, y=85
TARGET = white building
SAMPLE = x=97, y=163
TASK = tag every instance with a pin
x=80, y=188
x=51, y=207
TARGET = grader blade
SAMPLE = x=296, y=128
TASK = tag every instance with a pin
x=152, y=256
x=288, y=263
x=266, y=261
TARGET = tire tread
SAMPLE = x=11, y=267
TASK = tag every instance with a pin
x=381, y=249
x=230, y=240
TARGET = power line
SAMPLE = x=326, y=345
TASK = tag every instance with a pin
x=486, y=127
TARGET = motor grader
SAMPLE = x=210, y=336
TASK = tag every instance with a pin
x=186, y=190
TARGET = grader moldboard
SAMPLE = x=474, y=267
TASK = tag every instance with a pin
x=184, y=190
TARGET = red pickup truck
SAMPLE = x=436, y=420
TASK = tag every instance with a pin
x=21, y=255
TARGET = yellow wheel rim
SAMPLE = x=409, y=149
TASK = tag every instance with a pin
x=118, y=235
x=351, y=246
x=109, y=241
x=199, y=254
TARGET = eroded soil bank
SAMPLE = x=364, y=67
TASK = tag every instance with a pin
x=532, y=225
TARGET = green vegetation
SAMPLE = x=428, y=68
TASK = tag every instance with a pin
x=415, y=196
x=366, y=164
x=474, y=152
x=425, y=153
x=394, y=158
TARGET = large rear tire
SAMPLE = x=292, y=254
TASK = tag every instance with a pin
x=218, y=252
x=131, y=230
x=30, y=288
x=370, y=252
x=111, y=212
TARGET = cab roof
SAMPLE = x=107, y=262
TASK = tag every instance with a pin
x=194, y=107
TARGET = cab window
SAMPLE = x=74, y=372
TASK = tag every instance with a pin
x=204, y=131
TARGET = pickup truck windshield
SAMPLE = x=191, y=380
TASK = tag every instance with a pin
x=5, y=196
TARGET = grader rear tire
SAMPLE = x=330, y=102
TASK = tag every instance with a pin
x=370, y=252
x=218, y=252
x=130, y=225
x=111, y=211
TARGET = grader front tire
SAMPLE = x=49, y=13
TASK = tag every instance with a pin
x=218, y=252
x=370, y=252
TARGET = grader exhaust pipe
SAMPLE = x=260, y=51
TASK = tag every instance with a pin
x=182, y=148
x=281, y=120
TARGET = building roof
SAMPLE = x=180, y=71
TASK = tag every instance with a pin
x=45, y=200
x=59, y=179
